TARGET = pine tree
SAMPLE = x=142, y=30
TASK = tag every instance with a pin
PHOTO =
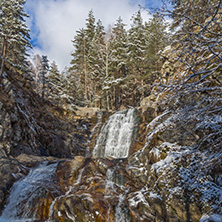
x=79, y=66
x=197, y=40
x=42, y=74
x=90, y=33
x=118, y=66
x=137, y=43
x=96, y=64
x=119, y=44
x=70, y=94
x=90, y=28
x=82, y=43
x=14, y=35
x=156, y=40
x=54, y=81
x=136, y=58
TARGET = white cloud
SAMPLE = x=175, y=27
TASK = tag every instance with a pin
x=55, y=22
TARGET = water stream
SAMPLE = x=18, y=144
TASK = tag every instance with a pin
x=116, y=135
x=114, y=141
x=114, y=180
x=24, y=192
x=67, y=194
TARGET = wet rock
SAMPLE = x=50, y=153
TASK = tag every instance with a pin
x=85, y=112
x=31, y=161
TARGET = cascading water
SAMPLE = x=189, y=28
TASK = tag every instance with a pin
x=121, y=214
x=114, y=141
x=115, y=181
x=116, y=135
x=24, y=192
x=67, y=194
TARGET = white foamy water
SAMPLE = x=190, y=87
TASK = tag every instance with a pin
x=23, y=193
x=116, y=135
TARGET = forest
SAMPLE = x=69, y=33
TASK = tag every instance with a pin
x=120, y=67
x=130, y=131
x=108, y=69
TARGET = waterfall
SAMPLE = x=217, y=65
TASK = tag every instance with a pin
x=116, y=135
x=67, y=194
x=109, y=181
x=114, y=182
x=25, y=191
x=121, y=214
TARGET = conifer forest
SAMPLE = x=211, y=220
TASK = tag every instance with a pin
x=129, y=130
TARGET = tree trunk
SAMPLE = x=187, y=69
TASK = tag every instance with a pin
x=107, y=100
x=85, y=73
x=43, y=86
x=4, y=51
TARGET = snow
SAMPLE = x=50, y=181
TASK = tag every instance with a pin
x=174, y=152
x=154, y=126
x=154, y=195
x=211, y=218
x=163, y=163
x=138, y=198
x=156, y=152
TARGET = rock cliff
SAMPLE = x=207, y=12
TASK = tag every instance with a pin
x=172, y=171
x=34, y=127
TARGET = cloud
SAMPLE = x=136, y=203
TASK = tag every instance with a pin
x=54, y=23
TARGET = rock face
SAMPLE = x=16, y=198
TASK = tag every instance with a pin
x=172, y=170
x=32, y=126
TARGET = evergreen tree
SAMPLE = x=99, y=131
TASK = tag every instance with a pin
x=119, y=60
x=79, y=66
x=90, y=33
x=82, y=43
x=136, y=58
x=54, y=75
x=197, y=40
x=72, y=82
x=54, y=80
x=90, y=28
x=42, y=74
x=96, y=64
x=119, y=45
x=137, y=45
x=14, y=35
x=156, y=40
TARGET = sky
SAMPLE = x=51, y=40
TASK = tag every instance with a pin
x=53, y=23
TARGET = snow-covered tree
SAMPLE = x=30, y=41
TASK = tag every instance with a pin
x=197, y=41
x=42, y=74
x=136, y=58
x=14, y=35
x=78, y=64
x=118, y=65
x=156, y=40
x=90, y=28
x=136, y=45
x=96, y=64
x=54, y=80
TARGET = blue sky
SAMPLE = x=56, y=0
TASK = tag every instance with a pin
x=53, y=23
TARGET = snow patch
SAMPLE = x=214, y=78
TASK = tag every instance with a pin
x=211, y=218
x=138, y=198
